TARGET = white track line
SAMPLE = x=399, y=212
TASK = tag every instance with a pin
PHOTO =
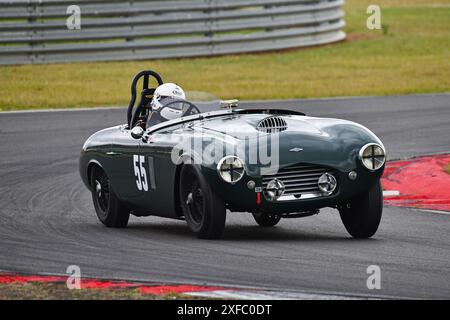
x=418, y=95
x=243, y=101
x=61, y=110
x=268, y=295
x=391, y=193
x=432, y=211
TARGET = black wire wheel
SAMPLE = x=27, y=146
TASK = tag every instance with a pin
x=110, y=211
x=203, y=210
x=362, y=215
x=266, y=220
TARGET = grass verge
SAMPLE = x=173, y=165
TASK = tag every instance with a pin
x=447, y=168
x=410, y=55
x=59, y=291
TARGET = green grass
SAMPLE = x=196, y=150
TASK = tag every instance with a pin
x=59, y=291
x=413, y=57
x=447, y=168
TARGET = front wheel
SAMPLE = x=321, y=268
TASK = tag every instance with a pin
x=110, y=211
x=203, y=210
x=362, y=215
x=266, y=220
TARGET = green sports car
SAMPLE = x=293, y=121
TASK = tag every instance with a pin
x=199, y=162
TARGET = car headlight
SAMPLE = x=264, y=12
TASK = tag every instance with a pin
x=327, y=183
x=372, y=156
x=231, y=169
x=274, y=189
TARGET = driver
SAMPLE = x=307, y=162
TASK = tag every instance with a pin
x=164, y=94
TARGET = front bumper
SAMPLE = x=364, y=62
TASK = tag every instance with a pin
x=240, y=198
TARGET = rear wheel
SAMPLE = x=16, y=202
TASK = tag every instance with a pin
x=362, y=215
x=204, y=211
x=266, y=220
x=110, y=211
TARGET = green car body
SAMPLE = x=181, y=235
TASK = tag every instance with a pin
x=332, y=144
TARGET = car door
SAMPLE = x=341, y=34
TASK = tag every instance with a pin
x=156, y=154
x=127, y=178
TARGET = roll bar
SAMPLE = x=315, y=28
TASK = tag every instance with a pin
x=146, y=92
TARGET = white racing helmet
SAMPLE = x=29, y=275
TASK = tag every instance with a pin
x=167, y=91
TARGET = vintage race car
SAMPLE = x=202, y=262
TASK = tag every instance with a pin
x=271, y=163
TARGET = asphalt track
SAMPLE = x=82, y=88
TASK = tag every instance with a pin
x=47, y=219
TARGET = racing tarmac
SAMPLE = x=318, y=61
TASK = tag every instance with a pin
x=47, y=220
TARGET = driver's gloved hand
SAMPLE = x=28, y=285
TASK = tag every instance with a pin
x=141, y=123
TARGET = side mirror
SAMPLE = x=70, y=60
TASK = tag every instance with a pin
x=137, y=132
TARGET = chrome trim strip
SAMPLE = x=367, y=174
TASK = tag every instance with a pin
x=303, y=196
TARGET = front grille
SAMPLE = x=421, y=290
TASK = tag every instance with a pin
x=299, y=179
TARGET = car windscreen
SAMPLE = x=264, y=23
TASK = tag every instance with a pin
x=172, y=109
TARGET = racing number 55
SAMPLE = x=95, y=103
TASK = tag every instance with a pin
x=140, y=172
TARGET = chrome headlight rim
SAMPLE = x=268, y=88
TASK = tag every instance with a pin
x=330, y=181
x=219, y=171
x=361, y=156
x=276, y=191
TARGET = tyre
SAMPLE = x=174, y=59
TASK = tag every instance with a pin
x=110, y=211
x=203, y=210
x=362, y=215
x=266, y=220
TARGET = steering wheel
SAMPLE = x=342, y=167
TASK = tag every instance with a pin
x=191, y=107
x=146, y=95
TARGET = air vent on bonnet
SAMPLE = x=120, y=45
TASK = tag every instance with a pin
x=272, y=125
